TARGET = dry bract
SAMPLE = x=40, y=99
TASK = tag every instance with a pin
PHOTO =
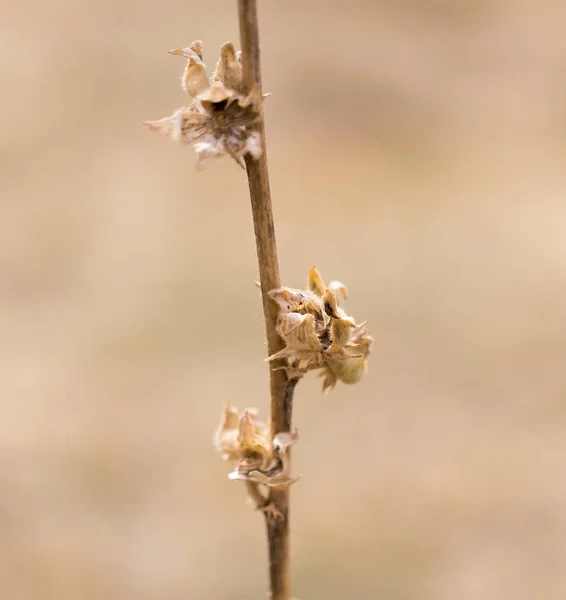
x=219, y=120
x=318, y=334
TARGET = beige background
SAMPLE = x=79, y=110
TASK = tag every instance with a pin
x=416, y=153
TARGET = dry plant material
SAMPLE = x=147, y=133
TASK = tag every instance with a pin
x=220, y=120
x=318, y=334
x=246, y=441
x=305, y=329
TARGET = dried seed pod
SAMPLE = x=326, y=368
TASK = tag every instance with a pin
x=319, y=334
x=246, y=441
x=242, y=436
x=217, y=124
x=220, y=121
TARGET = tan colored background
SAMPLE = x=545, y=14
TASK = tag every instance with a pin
x=417, y=153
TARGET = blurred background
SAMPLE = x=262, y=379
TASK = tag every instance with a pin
x=417, y=153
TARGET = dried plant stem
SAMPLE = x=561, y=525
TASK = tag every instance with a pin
x=281, y=387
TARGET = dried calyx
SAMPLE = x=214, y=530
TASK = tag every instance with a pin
x=245, y=440
x=318, y=334
x=219, y=120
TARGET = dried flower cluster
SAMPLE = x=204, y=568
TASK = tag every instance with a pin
x=246, y=441
x=220, y=120
x=318, y=334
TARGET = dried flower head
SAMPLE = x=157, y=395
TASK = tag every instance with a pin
x=219, y=120
x=246, y=441
x=318, y=334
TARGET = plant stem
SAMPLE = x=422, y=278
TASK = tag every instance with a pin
x=281, y=387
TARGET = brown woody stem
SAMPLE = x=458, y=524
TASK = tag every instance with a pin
x=281, y=387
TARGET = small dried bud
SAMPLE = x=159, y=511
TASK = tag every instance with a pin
x=219, y=121
x=319, y=334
